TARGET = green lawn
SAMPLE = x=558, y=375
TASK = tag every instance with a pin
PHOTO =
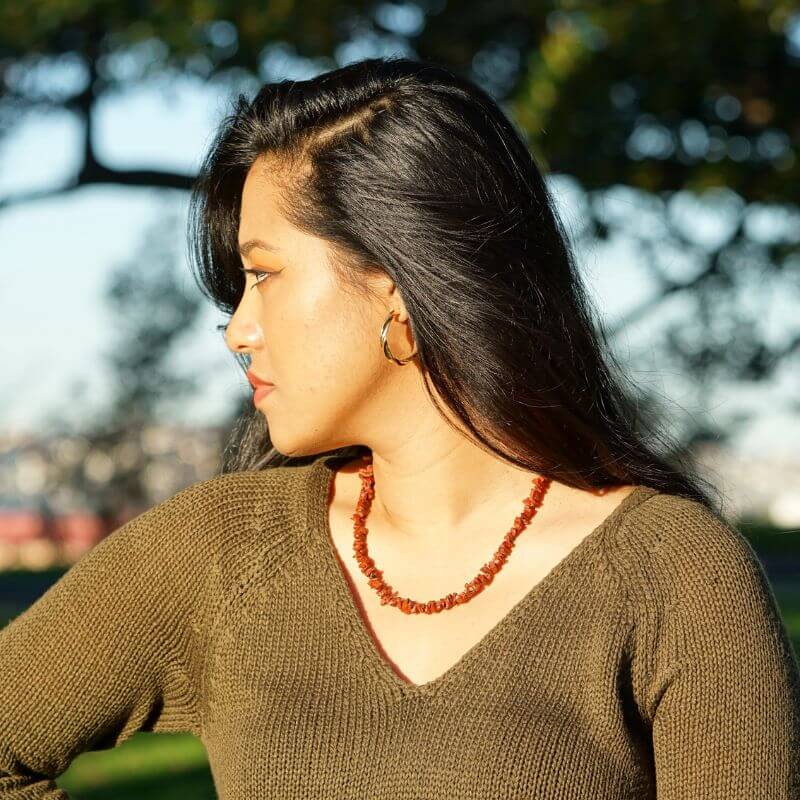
x=160, y=766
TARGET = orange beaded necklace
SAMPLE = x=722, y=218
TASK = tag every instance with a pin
x=473, y=587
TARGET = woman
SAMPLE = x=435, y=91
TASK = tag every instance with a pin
x=433, y=408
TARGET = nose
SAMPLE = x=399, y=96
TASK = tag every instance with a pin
x=242, y=335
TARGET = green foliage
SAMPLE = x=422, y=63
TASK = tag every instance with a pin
x=671, y=99
x=201, y=36
x=667, y=95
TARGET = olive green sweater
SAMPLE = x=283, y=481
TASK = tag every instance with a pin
x=651, y=661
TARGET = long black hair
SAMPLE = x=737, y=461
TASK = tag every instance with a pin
x=406, y=168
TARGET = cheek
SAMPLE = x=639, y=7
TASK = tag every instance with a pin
x=323, y=349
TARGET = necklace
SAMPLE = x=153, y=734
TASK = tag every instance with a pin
x=475, y=586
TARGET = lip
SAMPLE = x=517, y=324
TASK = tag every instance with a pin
x=261, y=392
x=257, y=382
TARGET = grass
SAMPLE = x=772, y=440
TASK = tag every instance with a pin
x=160, y=766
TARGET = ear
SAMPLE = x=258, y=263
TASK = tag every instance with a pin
x=396, y=302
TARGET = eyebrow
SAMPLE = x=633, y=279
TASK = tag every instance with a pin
x=245, y=247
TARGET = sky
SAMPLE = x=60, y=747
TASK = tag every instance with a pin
x=56, y=253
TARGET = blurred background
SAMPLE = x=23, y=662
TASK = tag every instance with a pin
x=670, y=133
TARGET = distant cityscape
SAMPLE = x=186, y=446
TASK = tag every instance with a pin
x=43, y=525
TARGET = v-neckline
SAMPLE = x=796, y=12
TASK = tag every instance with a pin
x=320, y=479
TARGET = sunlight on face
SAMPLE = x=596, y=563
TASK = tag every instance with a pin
x=315, y=341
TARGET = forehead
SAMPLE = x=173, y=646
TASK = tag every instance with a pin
x=260, y=202
x=261, y=216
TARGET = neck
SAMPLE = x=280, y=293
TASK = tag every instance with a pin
x=430, y=494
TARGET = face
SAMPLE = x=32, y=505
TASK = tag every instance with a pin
x=317, y=342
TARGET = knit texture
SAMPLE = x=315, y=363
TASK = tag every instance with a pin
x=652, y=661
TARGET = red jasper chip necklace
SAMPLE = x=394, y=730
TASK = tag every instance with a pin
x=473, y=587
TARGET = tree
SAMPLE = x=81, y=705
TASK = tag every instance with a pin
x=660, y=111
x=150, y=314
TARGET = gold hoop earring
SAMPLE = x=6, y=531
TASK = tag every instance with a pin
x=386, y=351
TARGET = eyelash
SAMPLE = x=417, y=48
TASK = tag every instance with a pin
x=256, y=272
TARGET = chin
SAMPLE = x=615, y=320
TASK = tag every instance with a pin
x=291, y=448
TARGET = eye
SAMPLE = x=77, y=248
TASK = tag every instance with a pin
x=261, y=275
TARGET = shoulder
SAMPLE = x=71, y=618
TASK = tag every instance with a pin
x=671, y=550
x=234, y=524
x=704, y=623
x=229, y=501
x=232, y=499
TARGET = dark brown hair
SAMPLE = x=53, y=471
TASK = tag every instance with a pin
x=404, y=167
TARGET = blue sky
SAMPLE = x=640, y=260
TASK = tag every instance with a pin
x=56, y=253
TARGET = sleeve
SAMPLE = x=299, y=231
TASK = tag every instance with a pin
x=106, y=651
x=722, y=690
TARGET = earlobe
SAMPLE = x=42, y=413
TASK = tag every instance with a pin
x=385, y=344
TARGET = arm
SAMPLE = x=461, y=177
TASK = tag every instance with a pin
x=107, y=650
x=719, y=682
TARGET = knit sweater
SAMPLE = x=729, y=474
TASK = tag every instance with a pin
x=651, y=661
